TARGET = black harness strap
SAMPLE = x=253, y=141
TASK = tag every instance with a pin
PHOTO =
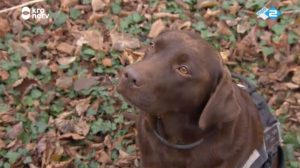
x=272, y=138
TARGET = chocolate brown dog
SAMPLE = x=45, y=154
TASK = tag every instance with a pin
x=192, y=114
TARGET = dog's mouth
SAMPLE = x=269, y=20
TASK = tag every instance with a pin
x=135, y=98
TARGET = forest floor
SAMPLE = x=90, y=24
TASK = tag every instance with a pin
x=58, y=103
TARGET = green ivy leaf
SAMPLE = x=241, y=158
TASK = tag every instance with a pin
x=267, y=50
x=74, y=13
x=12, y=156
x=116, y=8
x=59, y=18
x=278, y=29
x=136, y=17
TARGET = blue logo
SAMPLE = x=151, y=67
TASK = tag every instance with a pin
x=266, y=13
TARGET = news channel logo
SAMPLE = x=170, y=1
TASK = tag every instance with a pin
x=268, y=13
x=33, y=13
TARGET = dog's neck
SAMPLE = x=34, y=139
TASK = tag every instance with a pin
x=178, y=128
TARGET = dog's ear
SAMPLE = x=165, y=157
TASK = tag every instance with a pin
x=222, y=105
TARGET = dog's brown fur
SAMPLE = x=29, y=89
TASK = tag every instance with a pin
x=194, y=102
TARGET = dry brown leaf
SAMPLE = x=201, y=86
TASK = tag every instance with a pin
x=121, y=41
x=125, y=159
x=68, y=3
x=243, y=27
x=6, y=118
x=93, y=38
x=157, y=27
x=234, y=8
x=4, y=27
x=296, y=76
x=85, y=83
x=108, y=142
x=96, y=104
x=223, y=28
x=65, y=48
x=292, y=85
x=25, y=49
x=15, y=131
x=17, y=26
x=4, y=75
x=23, y=71
x=82, y=105
x=206, y=4
x=129, y=56
x=98, y=5
x=64, y=82
x=212, y=13
x=64, y=126
x=66, y=60
x=26, y=85
x=107, y=62
x=185, y=25
x=2, y=144
x=225, y=55
x=94, y=17
x=72, y=135
x=82, y=128
x=104, y=158
x=164, y=14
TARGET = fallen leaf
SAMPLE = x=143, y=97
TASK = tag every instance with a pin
x=93, y=38
x=41, y=145
x=206, y=4
x=223, y=29
x=108, y=142
x=107, y=62
x=24, y=49
x=157, y=27
x=296, y=76
x=23, y=71
x=15, y=131
x=130, y=56
x=17, y=26
x=4, y=27
x=121, y=41
x=82, y=128
x=85, y=83
x=62, y=164
x=243, y=27
x=292, y=85
x=67, y=3
x=64, y=82
x=104, y=158
x=233, y=9
x=66, y=60
x=2, y=144
x=212, y=13
x=64, y=126
x=25, y=85
x=6, y=118
x=65, y=48
x=4, y=75
x=165, y=14
x=98, y=5
x=72, y=135
x=185, y=25
x=225, y=55
x=82, y=105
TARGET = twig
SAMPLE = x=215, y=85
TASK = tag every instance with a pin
x=20, y=6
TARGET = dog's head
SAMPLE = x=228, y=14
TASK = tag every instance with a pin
x=180, y=73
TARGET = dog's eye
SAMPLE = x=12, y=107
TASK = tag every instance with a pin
x=183, y=70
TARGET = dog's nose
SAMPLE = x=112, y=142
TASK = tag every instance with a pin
x=132, y=77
